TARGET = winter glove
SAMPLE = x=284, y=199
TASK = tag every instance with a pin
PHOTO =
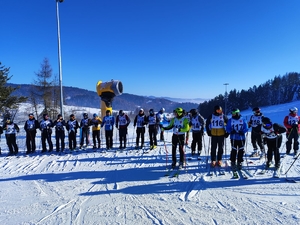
x=233, y=132
x=162, y=129
x=295, y=126
x=226, y=135
x=241, y=132
x=208, y=133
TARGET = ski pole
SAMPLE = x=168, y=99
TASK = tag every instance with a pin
x=132, y=137
x=292, y=164
x=208, y=150
x=246, y=151
x=166, y=154
x=204, y=143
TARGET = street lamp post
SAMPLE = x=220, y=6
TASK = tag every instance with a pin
x=226, y=96
x=59, y=59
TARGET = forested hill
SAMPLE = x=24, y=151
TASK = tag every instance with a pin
x=280, y=90
x=84, y=98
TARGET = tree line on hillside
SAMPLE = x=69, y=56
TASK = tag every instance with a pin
x=8, y=101
x=281, y=89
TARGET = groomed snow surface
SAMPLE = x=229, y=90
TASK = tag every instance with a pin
x=130, y=187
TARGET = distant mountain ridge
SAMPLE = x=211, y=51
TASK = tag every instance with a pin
x=181, y=100
x=74, y=96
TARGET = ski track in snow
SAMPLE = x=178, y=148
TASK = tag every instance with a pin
x=129, y=187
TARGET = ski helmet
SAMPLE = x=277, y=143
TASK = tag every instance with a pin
x=121, y=112
x=44, y=115
x=235, y=111
x=30, y=114
x=162, y=110
x=72, y=115
x=218, y=109
x=293, y=110
x=179, y=111
x=266, y=122
x=108, y=111
x=193, y=112
x=95, y=115
x=256, y=109
x=85, y=115
x=151, y=111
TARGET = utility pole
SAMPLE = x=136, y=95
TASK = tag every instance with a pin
x=59, y=59
x=226, y=97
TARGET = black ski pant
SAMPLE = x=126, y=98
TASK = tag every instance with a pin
x=293, y=136
x=197, y=140
x=273, y=148
x=72, y=140
x=96, y=138
x=237, y=151
x=256, y=140
x=60, y=140
x=178, y=140
x=217, y=142
x=30, y=141
x=122, y=137
x=140, y=133
x=152, y=135
x=46, y=136
x=109, y=138
x=12, y=143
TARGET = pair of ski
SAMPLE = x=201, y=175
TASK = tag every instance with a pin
x=216, y=171
x=276, y=171
x=173, y=172
x=240, y=173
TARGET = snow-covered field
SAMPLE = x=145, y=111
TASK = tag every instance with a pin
x=130, y=187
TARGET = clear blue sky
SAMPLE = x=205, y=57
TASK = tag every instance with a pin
x=173, y=48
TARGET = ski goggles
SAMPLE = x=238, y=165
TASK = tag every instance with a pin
x=256, y=112
x=268, y=125
x=235, y=112
x=219, y=111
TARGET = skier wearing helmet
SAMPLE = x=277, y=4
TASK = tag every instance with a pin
x=180, y=126
x=237, y=127
x=85, y=130
x=152, y=129
x=161, y=118
x=291, y=122
x=122, y=122
x=215, y=128
x=197, y=124
x=140, y=122
x=96, y=124
x=256, y=140
x=108, y=123
x=272, y=134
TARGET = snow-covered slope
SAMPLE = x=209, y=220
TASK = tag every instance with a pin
x=130, y=187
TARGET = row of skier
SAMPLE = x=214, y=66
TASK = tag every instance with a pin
x=217, y=126
x=121, y=122
x=264, y=132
